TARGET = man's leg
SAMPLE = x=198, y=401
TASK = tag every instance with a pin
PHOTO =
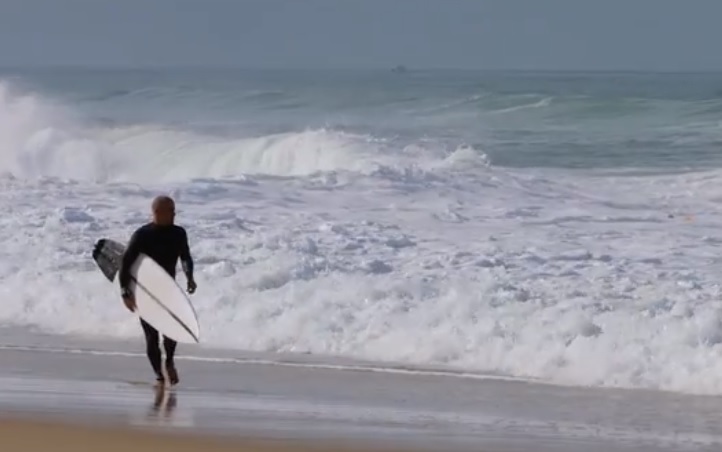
x=153, y=348
x=169, y=345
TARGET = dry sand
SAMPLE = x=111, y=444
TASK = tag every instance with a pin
x=32, y=435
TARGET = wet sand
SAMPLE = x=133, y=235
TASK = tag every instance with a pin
x=59, y=398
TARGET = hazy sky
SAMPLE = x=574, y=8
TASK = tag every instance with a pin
x=486, y=34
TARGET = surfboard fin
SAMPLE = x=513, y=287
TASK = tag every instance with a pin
x=108, y=254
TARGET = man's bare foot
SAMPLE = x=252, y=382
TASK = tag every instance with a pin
x=172, y=375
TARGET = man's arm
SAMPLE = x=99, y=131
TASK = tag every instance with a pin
x=186, y=259
x=131, y=254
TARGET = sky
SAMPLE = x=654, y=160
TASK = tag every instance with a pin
x=646, y=35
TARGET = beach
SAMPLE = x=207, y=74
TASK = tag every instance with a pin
x=51, y=394
x=24, y=435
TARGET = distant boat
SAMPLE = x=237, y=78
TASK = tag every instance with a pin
x=400, y=69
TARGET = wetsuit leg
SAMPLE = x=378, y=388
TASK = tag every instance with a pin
x=170, y=345
x=152, y=348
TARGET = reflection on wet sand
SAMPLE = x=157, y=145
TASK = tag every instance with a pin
x=163, y=411
x=164, y=403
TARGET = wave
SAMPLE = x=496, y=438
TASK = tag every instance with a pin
x=141, y=131
x=40, y=138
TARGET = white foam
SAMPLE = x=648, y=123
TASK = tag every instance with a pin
x=580, y=279
x=342, y=276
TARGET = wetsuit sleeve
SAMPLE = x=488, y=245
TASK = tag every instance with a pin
x=131, y=254
x=185, y=255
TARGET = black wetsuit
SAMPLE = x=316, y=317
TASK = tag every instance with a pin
x=165, y=245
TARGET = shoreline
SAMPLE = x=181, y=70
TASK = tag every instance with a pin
x=63, y=398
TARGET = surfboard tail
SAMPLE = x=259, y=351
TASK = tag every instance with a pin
x=108, y=255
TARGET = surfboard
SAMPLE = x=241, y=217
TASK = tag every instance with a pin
x=159, y=299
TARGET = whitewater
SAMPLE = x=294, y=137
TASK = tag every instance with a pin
x=548, y=227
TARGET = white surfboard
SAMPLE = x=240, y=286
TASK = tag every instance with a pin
x=159, y=299
x=161, y=302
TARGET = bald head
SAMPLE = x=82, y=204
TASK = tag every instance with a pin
x=163, y=210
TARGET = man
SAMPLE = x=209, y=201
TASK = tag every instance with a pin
x=165, y=243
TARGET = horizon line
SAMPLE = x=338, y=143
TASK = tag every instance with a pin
x=406, y=69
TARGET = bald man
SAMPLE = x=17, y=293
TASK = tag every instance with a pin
x=164, y=242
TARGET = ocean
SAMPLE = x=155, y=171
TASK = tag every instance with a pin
x=561, y=227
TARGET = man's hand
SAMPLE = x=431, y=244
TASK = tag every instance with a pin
x=129, y=301
x=192, y=286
